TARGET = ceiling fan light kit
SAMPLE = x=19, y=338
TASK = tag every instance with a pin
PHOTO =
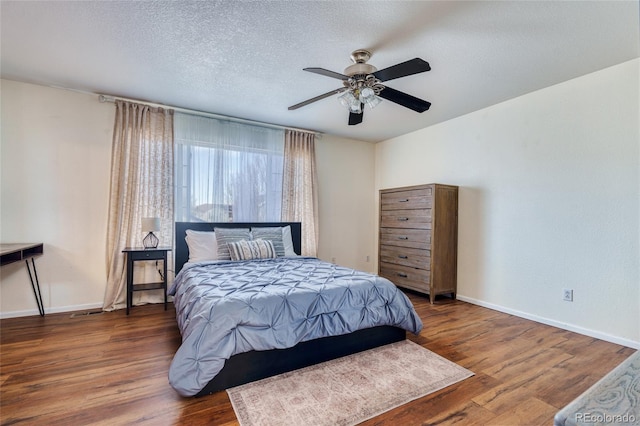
x=361, y=90
x=363, y=85
x=349, y=100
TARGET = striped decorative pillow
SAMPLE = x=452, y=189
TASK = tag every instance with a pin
x=272, y=234
x=248, y=250
x=228, y=235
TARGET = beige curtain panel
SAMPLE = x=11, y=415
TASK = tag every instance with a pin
x=141, y=186
x=299, y=187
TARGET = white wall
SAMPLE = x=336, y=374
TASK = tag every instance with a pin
x=55, y=157
x=347, y=202
x=549, y=199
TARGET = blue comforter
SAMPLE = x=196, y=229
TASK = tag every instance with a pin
x=226, y=308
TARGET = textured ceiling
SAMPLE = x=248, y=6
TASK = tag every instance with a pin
x=245, y=59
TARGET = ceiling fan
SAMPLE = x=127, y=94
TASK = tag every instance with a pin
x=363, y=85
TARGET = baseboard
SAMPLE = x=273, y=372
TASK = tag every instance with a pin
x=569, y=327
x=32, y=312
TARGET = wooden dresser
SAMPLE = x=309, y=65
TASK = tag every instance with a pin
x=418, y=243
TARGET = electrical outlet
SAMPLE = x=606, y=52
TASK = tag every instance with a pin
x=368, y=259
x=333, y=260
x=567, y=295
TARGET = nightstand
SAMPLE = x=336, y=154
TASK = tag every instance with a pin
x=135, y=254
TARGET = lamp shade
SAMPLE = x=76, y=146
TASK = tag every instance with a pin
x=347, y=99
x=150, y=224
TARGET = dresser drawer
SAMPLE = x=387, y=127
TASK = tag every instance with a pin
x=400, y=237
x=414, y=258
x=403, y=276
x=402, y=200
x=418, y=219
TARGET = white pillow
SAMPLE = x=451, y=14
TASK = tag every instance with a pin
x=287, y=241
x=202, y=245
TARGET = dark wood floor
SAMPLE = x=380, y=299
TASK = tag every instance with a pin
x=112, y=369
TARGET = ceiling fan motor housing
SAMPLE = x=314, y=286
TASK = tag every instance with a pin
x=359, y=68
x=359, y=58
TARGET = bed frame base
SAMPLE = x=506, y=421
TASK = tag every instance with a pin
x=255, y=365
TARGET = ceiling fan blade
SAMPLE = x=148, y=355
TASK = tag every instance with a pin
x=413, y=66
x=317, y=98
x=404, y=99
x=326, y=73
x=356, y=118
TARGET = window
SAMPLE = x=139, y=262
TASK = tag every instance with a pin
x=227, y=171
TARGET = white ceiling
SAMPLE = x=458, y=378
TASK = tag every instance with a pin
x=245, y=59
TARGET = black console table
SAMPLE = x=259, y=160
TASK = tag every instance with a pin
x=10, y=253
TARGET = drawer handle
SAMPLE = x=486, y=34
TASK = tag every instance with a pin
x=403, y=218
x=406, y=200
x=403, y=257
x=402, y=274
x=403, y=238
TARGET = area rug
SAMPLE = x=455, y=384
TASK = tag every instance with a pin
x=614, y=399
x=347, y=390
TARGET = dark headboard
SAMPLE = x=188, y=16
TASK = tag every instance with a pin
x=182, y=251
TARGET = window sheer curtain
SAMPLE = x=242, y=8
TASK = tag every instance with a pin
x=227, y=171
x=300, y=187
x=142, y=173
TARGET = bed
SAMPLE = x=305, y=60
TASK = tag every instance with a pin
x=244, y=320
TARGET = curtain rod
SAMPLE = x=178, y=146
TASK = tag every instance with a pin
x=106, y=98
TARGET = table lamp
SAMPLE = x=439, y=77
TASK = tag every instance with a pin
x=150, y=224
